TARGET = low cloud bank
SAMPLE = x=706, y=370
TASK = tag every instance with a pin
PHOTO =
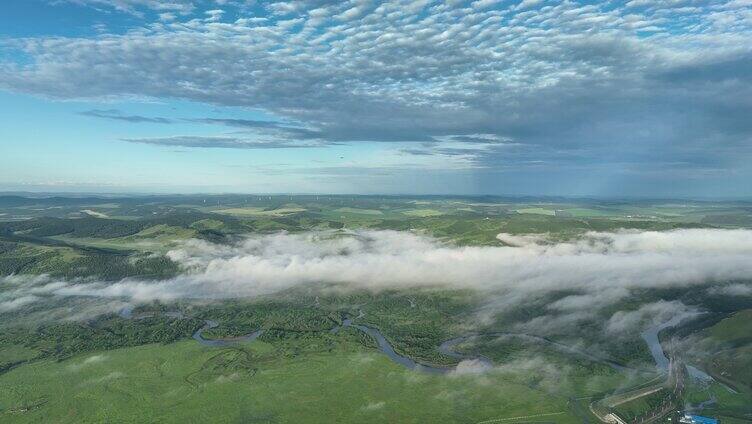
x=602, y=267
x=651, y=313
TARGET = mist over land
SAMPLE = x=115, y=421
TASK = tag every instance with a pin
x=474, y=294
x=601, y=267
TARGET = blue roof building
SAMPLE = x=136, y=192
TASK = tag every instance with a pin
x=697, y=419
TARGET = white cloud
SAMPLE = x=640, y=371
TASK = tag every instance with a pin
x=526, y=4
x=471, y=367
x=214, y=15
x=373, y=406
x=91, y=360
x=227, y=378
x=135, y=6
x=115, y=375
x=732, y=290
x=13, y=304
x=648, y=315
x=482, y=4
x=601, y=267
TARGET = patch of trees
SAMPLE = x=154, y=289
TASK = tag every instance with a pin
x=243, y=318
x=6, y=246
x=417, y=331
x=186, y=218
x=213, y=236
x=103, y=266
x=78, y=227
x=92, y=227
x=13, y=263
x=116, y=267
x=63, y=340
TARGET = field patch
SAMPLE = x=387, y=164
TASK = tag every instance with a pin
x=359, y=211
x=257, y=211
x=157, y=238
x=537, y=211
x=734, y=329
x=422, y=213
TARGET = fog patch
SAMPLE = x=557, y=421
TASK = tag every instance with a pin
x=363, y=358
x=39, y=299
x=648, y=315
x=601, y=268
x=92, y=360
x=732, y=290
x=373, y=406
x=227, y=378
x=111, y=376
x=471, y=367
x=15, y=303
x=536, y=371
x=581, y=301
x=115, y=375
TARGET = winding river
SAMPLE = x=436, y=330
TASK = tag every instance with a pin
x=662, y=362
x=447, y=347
x=224, y=341
x=650, y=336
x=659, y=356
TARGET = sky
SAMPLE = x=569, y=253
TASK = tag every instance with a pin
x=533, y=97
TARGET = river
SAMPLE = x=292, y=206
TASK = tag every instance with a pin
x=659, y=356
x=446, y=348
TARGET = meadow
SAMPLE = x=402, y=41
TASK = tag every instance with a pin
x=330, y=380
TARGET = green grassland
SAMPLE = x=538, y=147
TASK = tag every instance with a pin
x=331, y=380
x=422, y=213
x=727, y=405
x=537, y=211
x=636, y=408
x=299, y=354
x=158, y=238
x=592, y=212
x=357, y=211
x=727, y=350
x=252, y=211
x=734, y=330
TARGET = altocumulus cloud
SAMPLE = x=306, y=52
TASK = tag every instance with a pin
x=578, y=83
x=136, y=6
x=602, y=267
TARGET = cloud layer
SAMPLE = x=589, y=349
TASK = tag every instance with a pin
x=223, y=142
x=602, y=268
x=650, y=87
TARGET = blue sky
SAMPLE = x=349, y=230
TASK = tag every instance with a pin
x=637, y=98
